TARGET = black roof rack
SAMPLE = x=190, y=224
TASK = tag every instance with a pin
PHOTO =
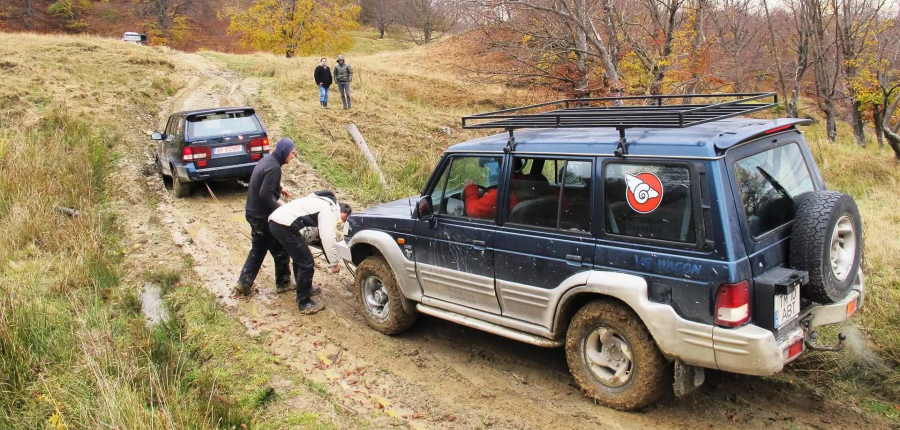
x=643, y=112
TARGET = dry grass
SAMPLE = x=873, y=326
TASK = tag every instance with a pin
x=74, y=349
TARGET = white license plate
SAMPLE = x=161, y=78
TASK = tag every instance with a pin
x=228, y=149
x=787, y=306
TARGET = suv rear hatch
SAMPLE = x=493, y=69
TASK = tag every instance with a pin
x=224, y=138
x=771, y=182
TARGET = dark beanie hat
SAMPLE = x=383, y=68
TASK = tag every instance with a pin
x=282, y=149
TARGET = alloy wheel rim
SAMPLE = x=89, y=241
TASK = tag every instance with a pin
x=843, y=248
x=609, y=357
x=375, y=298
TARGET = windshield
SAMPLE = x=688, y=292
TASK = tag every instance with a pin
x=771, y=184
x=222, y=124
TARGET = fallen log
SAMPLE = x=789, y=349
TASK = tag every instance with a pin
x=358, y=138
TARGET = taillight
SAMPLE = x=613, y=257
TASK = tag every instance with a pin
x=777, y=129
x=733, y=304
x=258, y=147
x=197, y=154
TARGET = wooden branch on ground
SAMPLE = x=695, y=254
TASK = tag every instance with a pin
x=358, y=138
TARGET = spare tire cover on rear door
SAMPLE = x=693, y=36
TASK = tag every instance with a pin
x=826, y=241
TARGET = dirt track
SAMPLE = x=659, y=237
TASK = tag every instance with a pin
x=439, y=375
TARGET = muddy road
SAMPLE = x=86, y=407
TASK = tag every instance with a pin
x=439, y=375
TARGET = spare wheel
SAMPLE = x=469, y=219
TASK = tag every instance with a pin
x=826, y=241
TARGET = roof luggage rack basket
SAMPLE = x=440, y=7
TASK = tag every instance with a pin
x=623, y=112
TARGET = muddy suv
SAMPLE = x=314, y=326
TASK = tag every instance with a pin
x=645, y=237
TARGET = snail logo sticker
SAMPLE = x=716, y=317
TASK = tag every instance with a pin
x=644, y=192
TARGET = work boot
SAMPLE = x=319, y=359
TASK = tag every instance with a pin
x=310, y=307
x=325, y=104
x=321, y=103
x=243, y=290
x=290, y=286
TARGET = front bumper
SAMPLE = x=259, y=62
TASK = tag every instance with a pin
x=753, y=350
x=188, y=173
x=344, y=252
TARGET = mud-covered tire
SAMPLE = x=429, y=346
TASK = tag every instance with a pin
x=649, y=373
x=827, y=225
x=393, y=318
x=180, y=188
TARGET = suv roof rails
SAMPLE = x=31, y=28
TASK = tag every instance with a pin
x=652, y=112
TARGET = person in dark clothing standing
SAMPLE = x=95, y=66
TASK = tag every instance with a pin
x=322, y=75
x=262, y=200
x=313, y=218
x=343, y=75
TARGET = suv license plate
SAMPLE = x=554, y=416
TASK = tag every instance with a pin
x=787, y=306
x=228, y=149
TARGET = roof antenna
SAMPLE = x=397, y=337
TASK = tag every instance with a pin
x=621, y=149
x=511, y=143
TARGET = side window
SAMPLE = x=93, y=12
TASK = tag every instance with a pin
x=169, y=126
x=468, y=188
x=551, y=193
x=179, y=127
x=771, y=184
x=649, y=201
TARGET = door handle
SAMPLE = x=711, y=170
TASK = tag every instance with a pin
x=479, y=245
x=573, y=260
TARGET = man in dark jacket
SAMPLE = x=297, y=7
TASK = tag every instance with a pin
x=262, y=200
x=343, y=75
x=322, y=75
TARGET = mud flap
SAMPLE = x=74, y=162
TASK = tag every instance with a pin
x=687, y=378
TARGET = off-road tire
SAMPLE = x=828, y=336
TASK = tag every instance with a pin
x=180, y=188
x=398, y=319
x=650, y=372
x=810, y=250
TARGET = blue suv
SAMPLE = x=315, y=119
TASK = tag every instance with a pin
x=210, y=145
x=647, y=238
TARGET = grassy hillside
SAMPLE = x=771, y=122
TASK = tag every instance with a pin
x=67, y=304
x=75, y=351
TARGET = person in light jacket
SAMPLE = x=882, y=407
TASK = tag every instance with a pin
x=322, y=75
x=300, y=222
x=343, y=75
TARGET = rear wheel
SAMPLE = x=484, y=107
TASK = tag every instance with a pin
x=379, y=297
x=181, y=188
x=613, y=357
x=826, y=241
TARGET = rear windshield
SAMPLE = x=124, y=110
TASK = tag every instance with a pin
x=222, y=124
x=771, y=185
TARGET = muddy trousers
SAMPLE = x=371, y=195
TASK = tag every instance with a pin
x=261, y=242
x=295, y=245
x=344, y=88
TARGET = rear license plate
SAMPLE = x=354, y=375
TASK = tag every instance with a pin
x=787, y=306
x=228, y=149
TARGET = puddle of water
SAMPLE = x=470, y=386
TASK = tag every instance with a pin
x=152, y=305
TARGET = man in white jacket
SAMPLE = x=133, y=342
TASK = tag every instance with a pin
x=299, y=221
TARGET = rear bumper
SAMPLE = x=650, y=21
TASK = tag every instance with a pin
x=188, y=173
x=752, y=350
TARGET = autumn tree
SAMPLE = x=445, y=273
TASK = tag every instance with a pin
x=737, y=27
x=826, y=65
x=886, y=67
x=379, y=14
x=854, y=28
x=71, y=12
x=793, y=27
x=649, y=27
x=167, y=20
x=295, y=27
x=427, y=20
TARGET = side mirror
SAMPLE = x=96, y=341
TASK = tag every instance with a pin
x=425, y=210
x=156, y=136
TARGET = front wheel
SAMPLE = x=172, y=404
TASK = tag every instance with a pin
x=613, y=357
x=379, y=297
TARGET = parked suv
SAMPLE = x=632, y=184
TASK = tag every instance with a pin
x=210, y=145
x=644, y=239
